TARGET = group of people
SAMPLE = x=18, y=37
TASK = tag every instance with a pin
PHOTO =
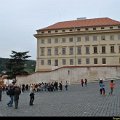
x=102, y=87
x=84, y=82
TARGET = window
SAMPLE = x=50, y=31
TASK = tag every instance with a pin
x=111, y=27
x=56, y=62
x=56, y=40
x=56, y=51
x=87, y=61
x=49, y=62
x=71, y=61
x=63, y=40
x=86, y=38
x=87, y=50
x=49, y=51
x=78, y=39
x=102, y=27
x=95, y=61
x=64, y=61
x=103, y=37
x=112, y=49
x=79, y=61
x=70, y=39
x=119, y=49
x=42, y=41
x=49, y=31
x=94, y=38
x=95, y=50
x=70, y=30
x=63, y=30
x=42, y=62
x=111, y=37
x=42, y=49
x=86, y=28
x=94, y=28
x=63, y=51
x=103, y=50
x=42, y=32
x=119, y=60
x=118, y=37
x=49, y=40
x=103, y=60
x=79, y=50
x=78, y=29
x=71, y=50
x=56, y=30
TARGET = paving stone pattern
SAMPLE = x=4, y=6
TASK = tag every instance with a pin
x=77, y=101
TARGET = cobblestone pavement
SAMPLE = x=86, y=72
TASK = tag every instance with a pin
x=77, y=101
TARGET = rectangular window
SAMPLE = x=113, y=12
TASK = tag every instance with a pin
x=64, y=61
x=56, y=40
x=78, y=39
x=63, y=40
x=56, y=51
x=94, y=38
x=63, y=51
x=42, y=41
x=78, y=29
x=95, y=61
x=87, y=61
x=63, y=30
x=111, y=27
x=42, y=62
x=103, y=60
x=119, y=49
x=71, y=51
x=103, y=37
x=87, y=50
x=79, y=61
x=49, y=31
x=112, y=49
x=56, y=62
x=56, y=31
x=86, y=38
x=79, y=50
x=103, y=50
x=118, y=37
x=94, y=28
x=49, y=40
x=111, y=37
x=70, y=39
x=49, y=51
x=95, y=51
x=71, y=61
x=49, y=62
x=102, y=27
x=42, y=49
x=70, y=30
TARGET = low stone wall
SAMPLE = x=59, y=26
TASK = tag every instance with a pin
x=72, y=75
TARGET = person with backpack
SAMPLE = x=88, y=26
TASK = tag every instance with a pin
x=17, y=92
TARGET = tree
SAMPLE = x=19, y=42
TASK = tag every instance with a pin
x=16, y=64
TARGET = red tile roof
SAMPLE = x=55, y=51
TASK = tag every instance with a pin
x=82, y=23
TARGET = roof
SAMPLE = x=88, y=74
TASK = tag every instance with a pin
x=83, y=23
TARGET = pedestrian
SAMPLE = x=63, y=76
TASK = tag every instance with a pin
x=85, y=82
x=31, y=97
x=0, y=92
x=17, y=92
x=10, y=93
x=112, y=84
x=82, y=82
x=66, y=86
x=102, y=87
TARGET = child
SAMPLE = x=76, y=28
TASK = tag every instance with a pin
x=111, y=87
x=32, y=97
x=102, y=87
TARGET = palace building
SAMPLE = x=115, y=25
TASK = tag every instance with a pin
x=78, y=43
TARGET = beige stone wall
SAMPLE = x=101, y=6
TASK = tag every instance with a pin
x=74, y=76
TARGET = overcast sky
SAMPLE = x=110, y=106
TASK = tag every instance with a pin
x=19, y=19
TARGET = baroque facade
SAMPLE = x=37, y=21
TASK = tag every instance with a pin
x=81, y=43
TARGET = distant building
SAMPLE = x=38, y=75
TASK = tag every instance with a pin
x=82, y=43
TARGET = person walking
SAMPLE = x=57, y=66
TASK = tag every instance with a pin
x=66, y=86
x=0, y=92
x=112, y=85
x=86, y=82
x=10, y=93
x=17, y=92
x=31, y=97
x=102, y=87
x=82, y=82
